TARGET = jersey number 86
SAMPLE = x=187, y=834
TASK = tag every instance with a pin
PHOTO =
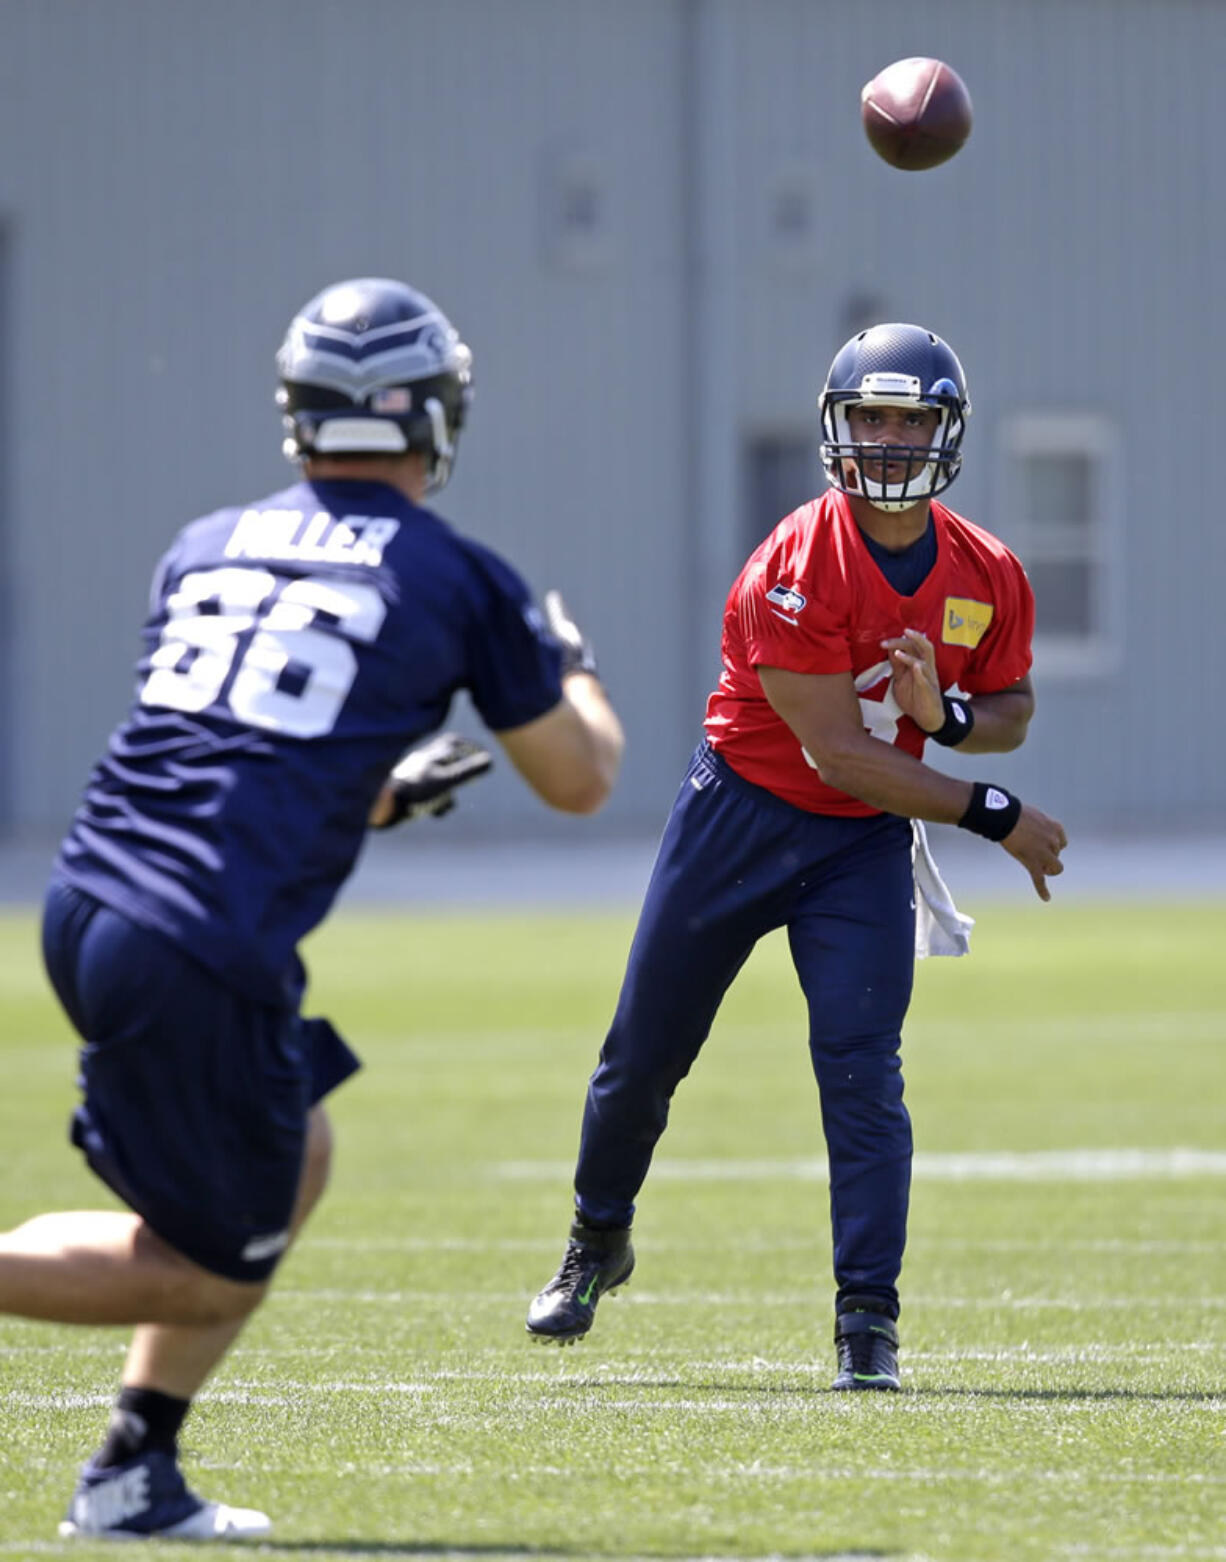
x=246, y=639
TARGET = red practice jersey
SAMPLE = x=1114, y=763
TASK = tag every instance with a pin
x=812, y=599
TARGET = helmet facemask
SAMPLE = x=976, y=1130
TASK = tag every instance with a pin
x=927, y=469
x=894, y=365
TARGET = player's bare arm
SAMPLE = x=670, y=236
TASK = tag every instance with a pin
x=570, y=756
x=1000, y=719
x=823, y=712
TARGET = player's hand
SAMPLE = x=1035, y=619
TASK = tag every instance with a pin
x=916, y=685
x=1037, y=841
x=577, y=653
x=425, y=780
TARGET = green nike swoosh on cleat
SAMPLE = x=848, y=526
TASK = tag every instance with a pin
x=587, y=1296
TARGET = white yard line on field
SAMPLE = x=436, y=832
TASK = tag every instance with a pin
x=1063, y=1244
x=807, y=1474
x=1117, y=1165
x=592, y=1394
x=20, y=1400
x=745, y=1242
x=232, y=1392
x=412, y=1552
x=691, y=1298
x=411, y=1244
x=600, y=1374
x=1145, y=1553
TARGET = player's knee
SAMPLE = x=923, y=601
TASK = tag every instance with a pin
x=640, y=1076
x=316, y=1164
x=182, y=1292
x=193, y=1298
x=221, y=1301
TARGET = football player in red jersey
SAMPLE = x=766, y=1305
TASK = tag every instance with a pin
x=872, y=621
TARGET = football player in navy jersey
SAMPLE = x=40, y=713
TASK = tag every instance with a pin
x=294, y=648
x=871, y=621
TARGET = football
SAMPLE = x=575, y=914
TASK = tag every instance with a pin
x=916, y=113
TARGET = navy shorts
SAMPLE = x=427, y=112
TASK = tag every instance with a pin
x=195, y=1098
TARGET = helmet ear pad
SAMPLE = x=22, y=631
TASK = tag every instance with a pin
x=424, y=417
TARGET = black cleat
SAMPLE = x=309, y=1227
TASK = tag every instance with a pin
x=595, y=1262
x=867, y=1344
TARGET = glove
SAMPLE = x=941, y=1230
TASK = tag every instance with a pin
x=425, y=779
x=577, y=653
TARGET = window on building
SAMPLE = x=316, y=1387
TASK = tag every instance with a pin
x=1061, y=515
x=781, y=474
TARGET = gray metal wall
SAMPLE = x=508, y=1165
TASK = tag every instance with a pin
x=1071, y=254
x=654, y=220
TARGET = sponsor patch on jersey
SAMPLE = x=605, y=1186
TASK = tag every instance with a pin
x=786, y=597
x=965, y=622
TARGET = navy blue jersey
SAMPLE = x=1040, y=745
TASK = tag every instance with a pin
x=294, y=649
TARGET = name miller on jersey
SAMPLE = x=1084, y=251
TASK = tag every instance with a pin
x=319, y=539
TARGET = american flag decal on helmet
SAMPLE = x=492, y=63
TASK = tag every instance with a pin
x=392, y=399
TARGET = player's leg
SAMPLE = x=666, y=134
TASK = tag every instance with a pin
x=177, y=1067
x=852, y=941
x=175, y=1361
x=714, y=891
x=107, y=1267
x=167, y=1365
x=110, y=1267
x=119, y=986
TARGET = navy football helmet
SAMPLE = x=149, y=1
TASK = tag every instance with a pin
x=894, y=366
x=373, y=367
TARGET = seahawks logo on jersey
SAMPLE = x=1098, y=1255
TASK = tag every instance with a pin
x=786, y=597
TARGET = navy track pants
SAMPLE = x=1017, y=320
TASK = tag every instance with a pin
x=735, y=862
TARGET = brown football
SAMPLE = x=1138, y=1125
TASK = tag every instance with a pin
x=916, y=113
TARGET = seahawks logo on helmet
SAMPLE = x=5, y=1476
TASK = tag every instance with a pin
x=373, y=367
x=894, y=366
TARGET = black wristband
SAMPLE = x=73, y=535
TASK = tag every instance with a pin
x=578, y=658
x=958, y=724
x=992, y=812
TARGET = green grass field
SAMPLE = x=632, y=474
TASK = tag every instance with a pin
x=1064, y=1323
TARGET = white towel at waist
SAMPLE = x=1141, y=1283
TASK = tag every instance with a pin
x=940, y=928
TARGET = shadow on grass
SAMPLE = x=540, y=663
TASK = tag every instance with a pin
x=1073, y=1395
x=389, y=1548
x=820, y=1393
x=393, y=1548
